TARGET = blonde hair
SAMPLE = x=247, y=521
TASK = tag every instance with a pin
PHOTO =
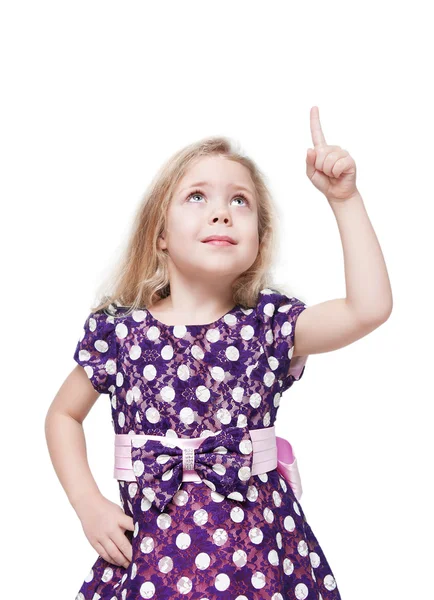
x=141, y=277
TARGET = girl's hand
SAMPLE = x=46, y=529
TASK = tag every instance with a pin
x=104, y=524
x=330, y=168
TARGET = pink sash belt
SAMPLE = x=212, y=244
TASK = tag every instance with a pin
x=269, y=452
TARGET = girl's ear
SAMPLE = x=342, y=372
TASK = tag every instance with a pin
x=162, y=242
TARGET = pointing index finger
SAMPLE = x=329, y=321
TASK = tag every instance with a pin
x=318, y=138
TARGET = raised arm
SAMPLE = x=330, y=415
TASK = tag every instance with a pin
x=368, y=303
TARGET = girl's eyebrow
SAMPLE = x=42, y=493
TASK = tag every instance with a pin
x=206, y=184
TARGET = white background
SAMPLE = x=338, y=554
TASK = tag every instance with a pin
x=96, y=95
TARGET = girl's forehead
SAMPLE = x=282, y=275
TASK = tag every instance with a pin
x=214, y=171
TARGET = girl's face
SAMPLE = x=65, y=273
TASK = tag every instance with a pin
x=224, y=204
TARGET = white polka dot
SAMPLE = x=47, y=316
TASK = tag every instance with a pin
x=147, y=589
x=89, y=576
x=288, y=566
x=153, y=333
x=180, y=498
x=138, y=467
x=289, y=523
x=286, y=328
x=315, y=560
x=283, y=484
x=184, y=585
x=255, y=400
x=147, y=545
x=263, y=477
x=232, y=353
x=132, y=489
x=121, y=331
x=277, y=498
x=217, y=373
x=139, y=315
x=152, y=415
x=88, y=369
x=302, y=548
x=150, y=372
x=269, y=378
x=251, y=368
x=247, y=332
x=237, y=394
x=197, y=352
x=220, y=537
x=107, y=575
x=258, y=580
x=269, y=309
x=213, y=335
x=179, y=331
x=167, y=352
x=145, y=503
x=135, y=352
x=202, y=561
x=244, y=473
x=186, y=415
x=219, y=468
x=239, y=558
x=183, y=540
x=252, y=493
x=256, y=536
x=200, y=516
x=237, y=514
x=301, y=591
x=268, y=514
x=167, y=393
x=329, y=582
x=224, y=416
x=202, y=393
x=164, y=521
x=273, y=362
x=167, y=475
x=273, y=557
x=222, y=582
x=269, y=336
x=183, y=372
x=230, y=319
x=246, y=446
x=242, y=420
x=165, y=564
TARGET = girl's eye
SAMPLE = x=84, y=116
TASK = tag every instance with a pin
x=201, y=193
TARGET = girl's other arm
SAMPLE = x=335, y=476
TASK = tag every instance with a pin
x=104, y=522
x=65, y=437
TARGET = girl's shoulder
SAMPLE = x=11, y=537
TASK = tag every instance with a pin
x=274, y=304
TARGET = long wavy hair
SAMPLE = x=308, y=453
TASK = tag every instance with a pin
x=141, y=277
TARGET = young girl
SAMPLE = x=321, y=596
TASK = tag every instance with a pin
x=195, y=348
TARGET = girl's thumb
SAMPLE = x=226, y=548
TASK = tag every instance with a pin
x=311, y=155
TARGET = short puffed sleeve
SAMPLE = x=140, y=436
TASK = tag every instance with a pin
x=96, y=351
x=278, y=314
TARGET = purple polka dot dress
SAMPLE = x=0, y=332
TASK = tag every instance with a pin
x=197, y=380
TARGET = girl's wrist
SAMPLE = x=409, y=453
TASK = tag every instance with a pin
x=81, y=502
